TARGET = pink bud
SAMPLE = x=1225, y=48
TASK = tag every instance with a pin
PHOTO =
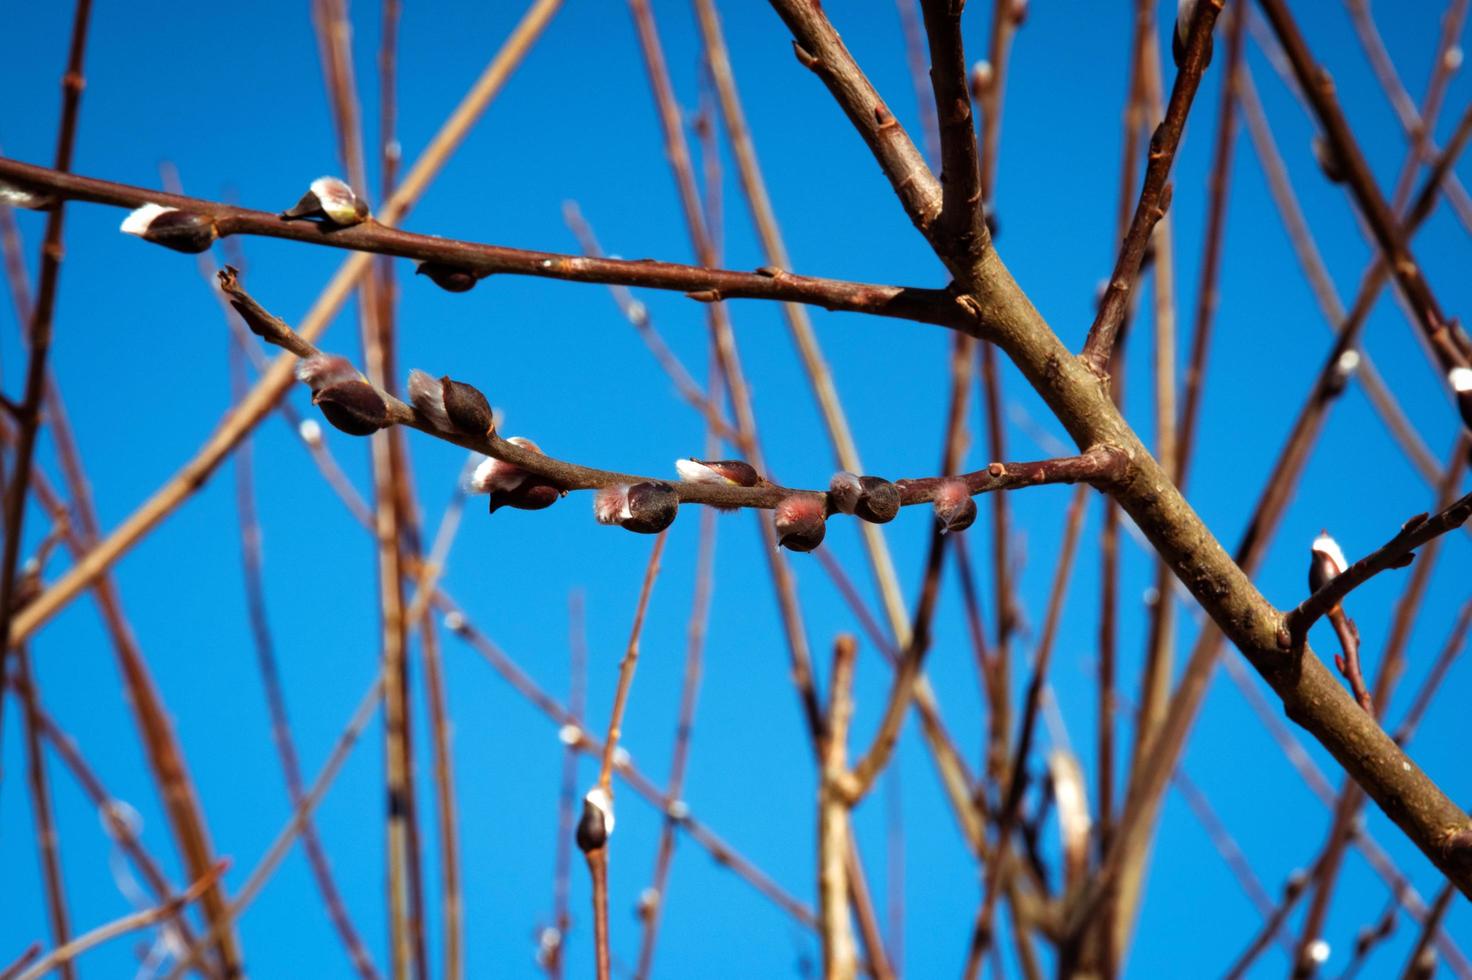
x=494, y=475
x=611, y=504
x=800, y=523
x=954, y=507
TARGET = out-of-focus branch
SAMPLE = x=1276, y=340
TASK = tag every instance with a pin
x=61, y=957
x=1318, y=87
x=840, y=958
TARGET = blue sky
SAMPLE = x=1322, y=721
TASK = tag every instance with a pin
x=233, y=98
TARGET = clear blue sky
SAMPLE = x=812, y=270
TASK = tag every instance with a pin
x=232, y=95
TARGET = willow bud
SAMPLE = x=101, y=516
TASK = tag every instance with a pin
x=330, y=200
x=611, y=504
x=450, y=278
x=651, y=507
x=497, y=475
x=1328, y=160
x=467, y=408
x=532, y=493
x=1185, y=10
x=723, y=472
x=1460, y=379
x=321, y=370
x=426, y=394
x=12, y=196
x=645, y=508
x=596, y=824
x=182, y=231
x=355, y=407
x=844, y=491
x=800, y=522
x=1327, y=562
x=954, y=507
x=879, y=500
x=981, y=79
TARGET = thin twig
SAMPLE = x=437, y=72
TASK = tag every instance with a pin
x=48, y=842
x=260, y=628
x=279, y=848
x=839, y=954
x=1011, y=807
x=62, y=956
x=270, y=388
x=1398, y=552
x=598, y=855
x=1154, y=195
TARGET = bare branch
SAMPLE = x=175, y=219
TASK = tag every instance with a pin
x=1398, y=552
x=1155, y=194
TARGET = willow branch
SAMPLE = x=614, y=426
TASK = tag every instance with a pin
x=819, y=48
x=1154, y=195
x=839, y=955
x=1318, y=87
x=274, y=384
x=481, y=259
x=281, y=845
x=1398, y=552
x=962, y=224
x=62, y=956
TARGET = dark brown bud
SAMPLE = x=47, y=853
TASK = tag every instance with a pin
x=723, y=472
x=596, y=824
x=1328, y=160
x=331, y=200
x=450, y=278
x=954, y=507
x=532, y=493
x=1327, y=562
x=651, y=507
x=467, y=408
x=1179, y=37
x=182, y=231
x=800, y=522
x=879, y=500
x=355, y=407
x=1460, y=379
